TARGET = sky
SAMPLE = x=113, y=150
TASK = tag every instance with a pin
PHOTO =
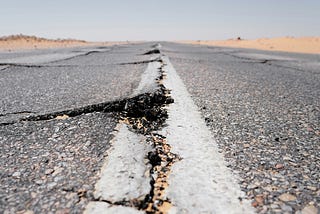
x=121, y=20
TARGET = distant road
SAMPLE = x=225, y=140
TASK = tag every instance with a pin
x=86, y=129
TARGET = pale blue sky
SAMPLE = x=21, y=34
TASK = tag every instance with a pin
x=105, y=20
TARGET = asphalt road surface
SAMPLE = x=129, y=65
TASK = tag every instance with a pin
x=63, y=113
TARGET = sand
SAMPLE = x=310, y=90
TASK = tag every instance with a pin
x=23, y=42
x=287, y=44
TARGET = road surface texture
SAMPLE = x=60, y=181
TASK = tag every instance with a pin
x=263, y=108
x=187, y=129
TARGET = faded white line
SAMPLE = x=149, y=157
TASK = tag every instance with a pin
x=147, y=82
x=200, y=182
x=125, y=173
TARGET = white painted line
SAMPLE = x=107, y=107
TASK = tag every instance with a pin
x=125, y=174
x=102, y=207
x=200, y=182
x=147, y=82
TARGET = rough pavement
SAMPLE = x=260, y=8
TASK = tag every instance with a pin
x=38, y=89
x=263, y=110
x=52, y=165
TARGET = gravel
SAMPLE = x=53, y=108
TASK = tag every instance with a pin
x=265, y=118
x=52, y=166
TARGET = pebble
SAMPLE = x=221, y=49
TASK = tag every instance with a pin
x=49, y=171
x=310, y=209
x=287, y=197
x=259, y=199
x=312, y=188
x=62, y=117
x=279, y=166
x=39, y=182
x=286, y=208
x=16, y=174
x=246, y=145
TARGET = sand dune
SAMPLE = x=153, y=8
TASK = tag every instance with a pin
x=18, y=42
x=288, y=44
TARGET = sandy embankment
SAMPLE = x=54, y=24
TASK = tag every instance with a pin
x=288, y=44
x=20, y=42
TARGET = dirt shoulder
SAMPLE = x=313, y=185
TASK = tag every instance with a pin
x=23, y=42
x=287, y=44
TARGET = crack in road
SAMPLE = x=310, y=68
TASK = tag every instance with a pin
x=161, y=158
x=270, y=62
x=19, y=112
x=140, y=62
x=153, y=51
x=145, y=116
x=7, y=65
x=136, y=106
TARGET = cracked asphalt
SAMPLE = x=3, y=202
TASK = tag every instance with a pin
x=262, y=109
x=51, y=166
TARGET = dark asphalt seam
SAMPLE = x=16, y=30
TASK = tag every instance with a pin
x=293, y=68
x=33, y=65
x=136, y=106
x=19, y=112
x=20, y=65
x=4, y=67
x=40, y=66
x=263, y=61
x=68, y=66
x=153, y=51
x=140, y=62
x=85, y=54
x=80, y=55
x=269, y=62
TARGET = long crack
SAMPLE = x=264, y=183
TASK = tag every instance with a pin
x=161, y=158
x=146, y=106
x=145, y=114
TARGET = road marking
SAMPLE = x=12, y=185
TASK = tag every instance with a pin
x=200, y=182
x=146, y=84
x=124, y=176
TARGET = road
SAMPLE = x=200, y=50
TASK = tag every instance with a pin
x=243, y=132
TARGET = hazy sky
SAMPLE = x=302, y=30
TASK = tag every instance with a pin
x=160, y=19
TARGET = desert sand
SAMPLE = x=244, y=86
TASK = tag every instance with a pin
x=288, y=44
x=21, y=42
